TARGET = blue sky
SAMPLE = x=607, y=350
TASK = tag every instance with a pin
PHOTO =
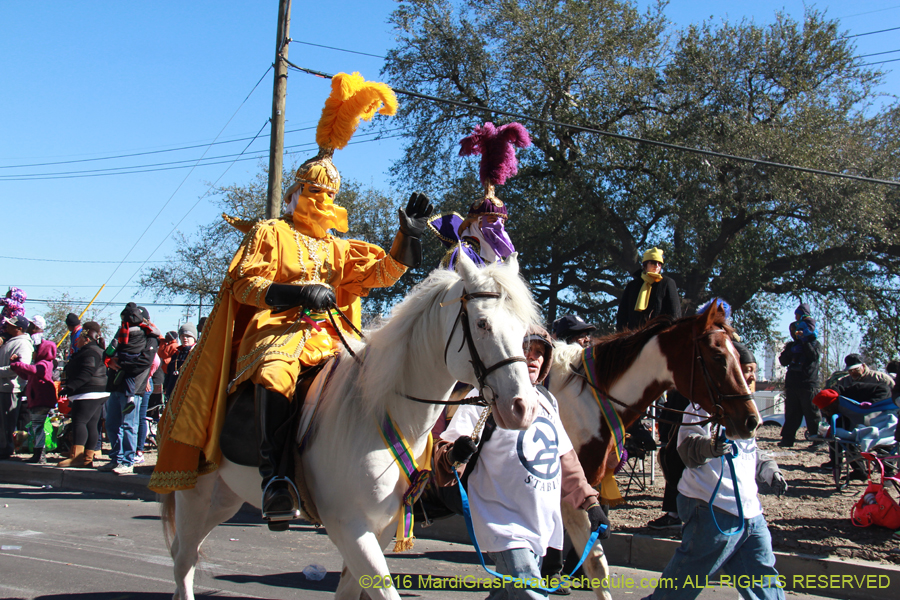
x=93, y=80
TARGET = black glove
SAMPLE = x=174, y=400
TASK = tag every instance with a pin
x=407, y=247
x=597, y=518
x=463, y=449
x=779, y=485
x=282, y=296
x=415, y=217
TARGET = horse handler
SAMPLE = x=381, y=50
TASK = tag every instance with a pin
x=270, y=319
x=732, y=534
x=518, y=481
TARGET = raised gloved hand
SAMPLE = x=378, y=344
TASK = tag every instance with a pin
x=597, y=518
x=407, y=246
x=414, y=218
x=463, y=449
x=779, y=485
x=315, y=296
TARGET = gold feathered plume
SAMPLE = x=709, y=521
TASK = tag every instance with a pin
x=352, y=98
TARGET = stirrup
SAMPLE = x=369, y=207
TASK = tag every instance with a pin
x=295, y=499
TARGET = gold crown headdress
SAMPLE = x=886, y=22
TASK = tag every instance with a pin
x=352, y=98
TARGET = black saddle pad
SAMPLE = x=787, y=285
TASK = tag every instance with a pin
x=238, y=439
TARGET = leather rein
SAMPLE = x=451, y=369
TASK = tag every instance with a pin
x=711, y=388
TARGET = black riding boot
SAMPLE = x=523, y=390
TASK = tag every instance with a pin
x=38, y=457
x=280, y=502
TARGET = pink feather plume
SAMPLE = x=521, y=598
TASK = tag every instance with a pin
x=496, y=145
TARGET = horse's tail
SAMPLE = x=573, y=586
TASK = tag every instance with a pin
x=167, y=513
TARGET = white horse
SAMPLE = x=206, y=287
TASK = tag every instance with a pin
x=693, y=355
x=353, y=480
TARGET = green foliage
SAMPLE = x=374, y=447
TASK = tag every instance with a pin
x=584, y=206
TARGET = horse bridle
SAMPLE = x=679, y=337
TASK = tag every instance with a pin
x=481, y=372
x=715, y=395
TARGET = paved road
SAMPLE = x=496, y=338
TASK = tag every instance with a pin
x=59, y=545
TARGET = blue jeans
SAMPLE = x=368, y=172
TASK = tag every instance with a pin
x=747, y=558
x=121, y=429
x=521, y=563
x=142, y=405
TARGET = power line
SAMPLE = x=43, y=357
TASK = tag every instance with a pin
x=333, y=48
x=872, y=32
x=150, y=224
x=620, y=136
x=877, y=53
x=147, y=153
x=203, y=163
x=879, y=62
x=56, y=260
x=80, y=302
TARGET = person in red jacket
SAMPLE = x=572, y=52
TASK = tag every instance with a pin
x=40, y=391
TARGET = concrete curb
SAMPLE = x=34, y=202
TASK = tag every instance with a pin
x=831, y=577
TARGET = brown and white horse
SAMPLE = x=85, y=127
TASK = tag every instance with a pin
x=694, y=355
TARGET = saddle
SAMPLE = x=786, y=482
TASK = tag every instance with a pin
x=238, y=440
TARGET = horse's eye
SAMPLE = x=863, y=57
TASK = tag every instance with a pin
x=721, y=359
x=483, y=324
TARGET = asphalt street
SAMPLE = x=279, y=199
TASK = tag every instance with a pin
x=57, y=545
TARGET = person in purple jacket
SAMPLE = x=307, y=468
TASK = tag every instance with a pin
x=40, y=392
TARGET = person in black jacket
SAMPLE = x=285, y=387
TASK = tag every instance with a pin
x=85, y=385
x=648, y=295
x=801, y=357
x=121, y=426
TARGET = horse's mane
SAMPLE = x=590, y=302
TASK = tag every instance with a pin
x=616, y=352
x=387, y=359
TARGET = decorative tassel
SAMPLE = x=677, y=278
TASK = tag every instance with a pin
x=496, y=145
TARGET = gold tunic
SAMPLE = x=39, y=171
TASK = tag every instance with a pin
x=243, y=340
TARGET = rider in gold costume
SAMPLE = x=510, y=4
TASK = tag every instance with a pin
x=270, y=318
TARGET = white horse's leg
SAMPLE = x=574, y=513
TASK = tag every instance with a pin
x=579, y=529
x=197, y=512
x=349, y=586
x=363, y=558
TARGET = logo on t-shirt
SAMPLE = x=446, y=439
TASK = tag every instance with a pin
x=538, y=449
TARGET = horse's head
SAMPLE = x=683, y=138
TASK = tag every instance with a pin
x=710, y=373
x=495, y=308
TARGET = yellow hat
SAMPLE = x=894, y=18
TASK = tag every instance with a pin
x=653, y=254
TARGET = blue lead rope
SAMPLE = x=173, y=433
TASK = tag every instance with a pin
x=468, y=516
x=737, y=495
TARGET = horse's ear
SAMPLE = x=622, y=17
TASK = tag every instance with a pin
x=513, y=261
x=465, y=266
x=709, y=317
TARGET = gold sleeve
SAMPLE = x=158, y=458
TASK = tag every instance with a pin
x=367, y=266
x=254, y=267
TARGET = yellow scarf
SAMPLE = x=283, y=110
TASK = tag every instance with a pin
x=643, y=298
x=316, y=212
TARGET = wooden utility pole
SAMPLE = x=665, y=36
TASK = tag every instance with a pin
x=279, y=93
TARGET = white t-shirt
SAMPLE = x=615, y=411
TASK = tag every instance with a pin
x=515, y=488
x=700, y=482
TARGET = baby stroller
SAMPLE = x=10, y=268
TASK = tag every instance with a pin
x=855, y=428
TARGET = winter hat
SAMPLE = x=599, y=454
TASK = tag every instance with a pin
x=653, y=254
x=825, y=398
x=72, y=320
x=171, y=336
x=188, y=329
x=132, y=314
x=144, y=313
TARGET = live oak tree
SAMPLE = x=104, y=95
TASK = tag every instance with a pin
x=585, y=205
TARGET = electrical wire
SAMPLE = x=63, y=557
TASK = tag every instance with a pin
x=878, y=62
x=338, y=49
x=150, y=224
x=872, y=32
x=56, y=260
x=180, y=148
x=629, y=138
